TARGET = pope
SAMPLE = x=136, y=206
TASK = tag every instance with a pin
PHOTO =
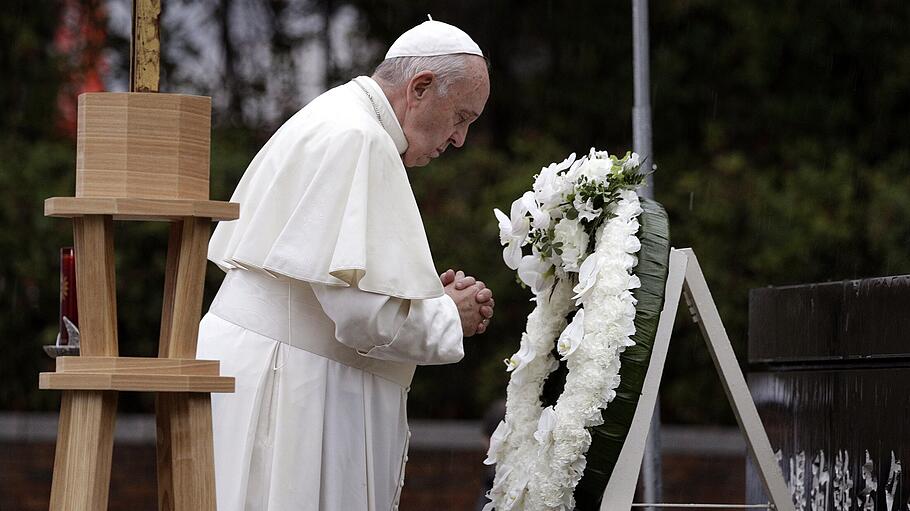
x=331, y=297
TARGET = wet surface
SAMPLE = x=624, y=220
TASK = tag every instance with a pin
x=830, y=376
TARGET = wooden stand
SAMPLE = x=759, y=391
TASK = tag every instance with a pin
x=140, y=156
x=90, y=382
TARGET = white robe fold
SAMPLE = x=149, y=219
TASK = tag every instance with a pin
x=327, y=200
x=327, y=211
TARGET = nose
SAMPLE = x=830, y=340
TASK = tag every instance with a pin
x=458, y=136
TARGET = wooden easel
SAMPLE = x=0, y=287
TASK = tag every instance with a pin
x=686, y=279
x=90, y=382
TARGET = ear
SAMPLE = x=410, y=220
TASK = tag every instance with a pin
x=420, y=84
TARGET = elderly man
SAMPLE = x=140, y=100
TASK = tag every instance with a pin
x=331, y=297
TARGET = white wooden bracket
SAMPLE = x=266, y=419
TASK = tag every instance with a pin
x=685, y=279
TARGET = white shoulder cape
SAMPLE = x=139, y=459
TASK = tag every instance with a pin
x=327, y=200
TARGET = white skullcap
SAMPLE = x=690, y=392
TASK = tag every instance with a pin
x=432, y=38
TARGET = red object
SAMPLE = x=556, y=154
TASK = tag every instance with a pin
x=68, y=304
x=79, y=42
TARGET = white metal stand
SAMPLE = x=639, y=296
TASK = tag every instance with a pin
x=686, y=279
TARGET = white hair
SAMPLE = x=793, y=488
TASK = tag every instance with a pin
x=448, y=68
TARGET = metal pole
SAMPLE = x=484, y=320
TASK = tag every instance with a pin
x=641, y=144
x=641, y=112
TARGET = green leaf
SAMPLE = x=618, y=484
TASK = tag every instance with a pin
x=608, y=438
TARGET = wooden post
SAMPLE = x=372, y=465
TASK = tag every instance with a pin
x=85, y=438
x=145, y=46
x=186, y=457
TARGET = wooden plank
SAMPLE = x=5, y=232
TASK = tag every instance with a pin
x=137, y=365
x=60, y=457
x=715, y=335
x=94, y=247
x=135, y=382
x=124, y=208
x=82, y=470
x=190, y=279
x=170, y=287
x=163, y=455
x=186, y=461
x=620, y=490
x=145, y=46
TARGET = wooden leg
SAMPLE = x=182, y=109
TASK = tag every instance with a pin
x=96, y=285
x=186, y=463
x=186, y=307
x=170, y=283
x=186, y=466
x=82, y=469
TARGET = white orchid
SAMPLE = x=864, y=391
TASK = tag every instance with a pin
x=545, y=426
x=541, y=220
x=535, y=272
x=587, y=277
x=517, y=362
x=633, y=161
x=513, y=232
x=571, y=337
x=550, y=185
x=496, y=442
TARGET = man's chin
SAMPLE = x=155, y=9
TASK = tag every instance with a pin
x=418, y=162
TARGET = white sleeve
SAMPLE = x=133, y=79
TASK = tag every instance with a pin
x=424, y=332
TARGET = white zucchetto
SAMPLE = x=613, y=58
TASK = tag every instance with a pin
x=432, y=38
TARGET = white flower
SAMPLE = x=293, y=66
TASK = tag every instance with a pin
x=633, y=161
x=541, y=220
x=517, y=362
x=574, y=241
x=587, y=277
x=496, y=442
x=586, y=209
x=595, y=168
x=573, y=334
x=550, y=186
x=533, y=271
x=540, y=453
x=513, y=232
x=545, y=426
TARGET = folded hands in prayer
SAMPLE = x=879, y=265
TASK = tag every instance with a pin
x=474, y=301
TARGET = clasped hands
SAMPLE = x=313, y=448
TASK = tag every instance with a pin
x=473, y=299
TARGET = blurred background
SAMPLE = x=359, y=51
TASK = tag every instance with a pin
x=781, y=136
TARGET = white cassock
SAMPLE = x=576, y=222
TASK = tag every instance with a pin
x=330, y=300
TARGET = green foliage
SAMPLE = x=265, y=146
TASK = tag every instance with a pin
x=780, y=133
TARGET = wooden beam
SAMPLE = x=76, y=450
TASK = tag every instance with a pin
x=186, y=301
x=94, y=241
x=135, y=382
x=145, y=46
x=82, y=469
x=138, y=365
x=125, y=208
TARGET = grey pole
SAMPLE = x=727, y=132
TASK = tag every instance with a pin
x=641, y=144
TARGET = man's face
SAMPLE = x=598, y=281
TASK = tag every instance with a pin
x=433, y=122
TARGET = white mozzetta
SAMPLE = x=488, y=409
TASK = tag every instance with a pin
x=327, y=200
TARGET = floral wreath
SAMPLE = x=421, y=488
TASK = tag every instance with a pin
x=581, y=221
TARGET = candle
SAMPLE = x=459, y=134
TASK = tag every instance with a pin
x=68, y=305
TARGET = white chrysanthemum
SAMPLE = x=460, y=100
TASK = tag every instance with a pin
x=574, y=240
